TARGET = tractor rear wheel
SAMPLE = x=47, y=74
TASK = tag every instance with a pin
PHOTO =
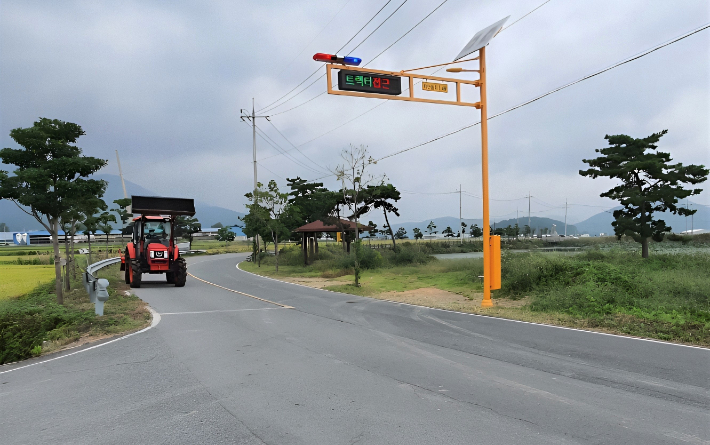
x=136, y=282
x=180, y=274
x=127, y=267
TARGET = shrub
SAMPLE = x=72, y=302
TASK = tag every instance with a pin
x=404, y=256
x=25, y=322
x=685, y=239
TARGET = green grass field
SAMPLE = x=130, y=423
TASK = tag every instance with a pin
x=613, y=290
x=17, y=280
x=33, y=323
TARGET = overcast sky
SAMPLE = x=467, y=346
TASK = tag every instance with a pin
x=163, y=83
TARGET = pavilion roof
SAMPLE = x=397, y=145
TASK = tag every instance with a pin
x=320, y=226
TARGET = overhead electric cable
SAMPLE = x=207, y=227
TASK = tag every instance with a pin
x=324, y=74
x=277, y=147
x=382, y=52
x=313, y=73
x=269, y=170
x=378, y=27
x=616, y=65
x=316, y=36
x=405, y=34
x=296, y=148
x=543, y=4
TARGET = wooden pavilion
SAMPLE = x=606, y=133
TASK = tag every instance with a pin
x=309, y=231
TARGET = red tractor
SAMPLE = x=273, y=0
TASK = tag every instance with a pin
x=153, y=249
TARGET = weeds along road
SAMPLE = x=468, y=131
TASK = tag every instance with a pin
x=222, y=367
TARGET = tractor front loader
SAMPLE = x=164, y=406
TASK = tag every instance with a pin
x=152, y=248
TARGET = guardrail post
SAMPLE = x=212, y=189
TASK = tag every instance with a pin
x=101, y=295
x=97, y=288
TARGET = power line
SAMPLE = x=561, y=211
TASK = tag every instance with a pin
x=543, y=4
x=267, y=169
x=372, y=60
x=383, y=51
x=616, y=65
x=363, y=26
x=318, y=69
x=378, y=27
x=277, y=147
x=410, y=30
x=316, y=36
x=296, y=148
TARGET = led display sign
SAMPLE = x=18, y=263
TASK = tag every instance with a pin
x=369, y=83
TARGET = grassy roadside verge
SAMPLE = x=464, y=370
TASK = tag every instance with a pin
x=34, y=324
x=666, y=297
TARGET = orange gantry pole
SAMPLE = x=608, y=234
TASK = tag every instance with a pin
x=487, y=302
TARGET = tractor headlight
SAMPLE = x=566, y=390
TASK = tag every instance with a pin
x=152, y=254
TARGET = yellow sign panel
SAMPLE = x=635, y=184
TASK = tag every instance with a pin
x=438, y=87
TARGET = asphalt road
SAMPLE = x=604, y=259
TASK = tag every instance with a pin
x=222, y=367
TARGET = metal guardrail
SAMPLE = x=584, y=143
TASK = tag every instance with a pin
x=97, y=288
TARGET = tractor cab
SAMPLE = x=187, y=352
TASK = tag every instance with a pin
x=153, y=248
x=152, y=236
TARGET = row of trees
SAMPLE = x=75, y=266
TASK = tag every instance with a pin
x=51, y=183
x=273, y=214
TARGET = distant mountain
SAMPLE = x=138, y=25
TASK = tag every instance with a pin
x=207, y=214
x=441, y=224
x=538, y=223
x=601, y=222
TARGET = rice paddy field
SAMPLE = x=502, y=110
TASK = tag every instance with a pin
x=16, y=280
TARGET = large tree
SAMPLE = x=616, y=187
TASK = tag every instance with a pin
x=82, y=205
x=121, y=210
x=50, y=171
x=309, y=202
x=104, y=223
x=277, y=208
x=648, y=183
x=381, y=197
x=186, y=227
x=255, y=224
x=355, y=180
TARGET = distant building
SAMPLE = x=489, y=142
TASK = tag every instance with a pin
x=694, y=232
x=210, y=231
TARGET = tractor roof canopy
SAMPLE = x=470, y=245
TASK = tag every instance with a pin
x=158, y=205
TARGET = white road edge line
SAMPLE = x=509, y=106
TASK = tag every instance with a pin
x=651, y=340
x=222, y=310
x=154, y=322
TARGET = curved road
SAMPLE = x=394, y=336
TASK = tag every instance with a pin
x=222, y=367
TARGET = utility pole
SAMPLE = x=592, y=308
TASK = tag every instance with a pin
x=529, y=196
x=460, y=217
x=120, y=173
x=517, y=221
x=125, y=195
x=252, y=117
x=565, y=217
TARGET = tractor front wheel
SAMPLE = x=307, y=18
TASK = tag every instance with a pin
x=170, y=277
x=180, y=274
x=137, y=275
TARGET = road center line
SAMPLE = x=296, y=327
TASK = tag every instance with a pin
x=220, y=310
x=241, y=293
